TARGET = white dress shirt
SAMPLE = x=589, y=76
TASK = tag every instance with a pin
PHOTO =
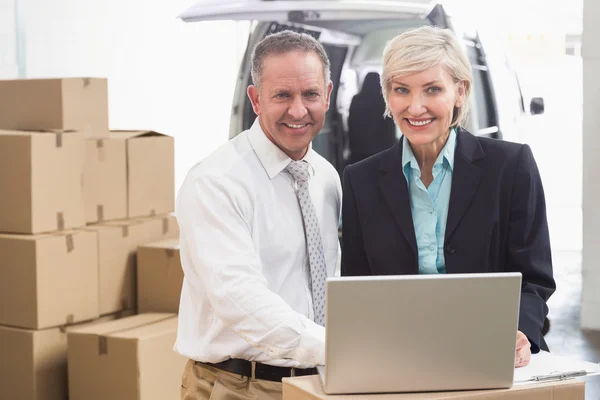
x=243, y=251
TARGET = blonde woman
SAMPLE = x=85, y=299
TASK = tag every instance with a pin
x=442, y=200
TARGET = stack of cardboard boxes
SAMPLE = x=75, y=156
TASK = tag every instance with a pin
x=77, y=201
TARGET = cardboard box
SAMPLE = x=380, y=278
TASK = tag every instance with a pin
x=150, y=172
x=309, y=387
x=131, y=358
x=79, y=104
x=33, y=364
x=118, y=242
x=105, y=180
x=159, y=277
x=40, y=177
x=48, y=280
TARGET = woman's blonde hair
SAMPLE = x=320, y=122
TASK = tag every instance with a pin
x=419, y=49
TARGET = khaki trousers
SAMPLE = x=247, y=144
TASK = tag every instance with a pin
x=202, y=382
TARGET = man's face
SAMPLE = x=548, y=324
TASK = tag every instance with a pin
x=292, y=100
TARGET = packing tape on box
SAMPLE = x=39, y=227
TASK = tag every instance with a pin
x=165, y=226
x=125, y=231
x=86, y=82
x=125, y=303
x=100, y=147
x=60, y=221
x=102, y=345
x=173, y=265
x=70, y=243
x=59, y=139
x=153, y=213
x=100, y=212
x=70, y=320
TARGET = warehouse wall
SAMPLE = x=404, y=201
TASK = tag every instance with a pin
x=8, y=57
x=162, y=72
x=590, y=304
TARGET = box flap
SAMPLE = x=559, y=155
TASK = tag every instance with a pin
x=34, y=80
x=150, y=330
x=40, y=236
x=169, y=244
x=110, y=226
x=133, y=134
x=5, y=132
x=169, y=224
x=112, y=327
x=22, y=331
x=132, y=221
x=121, y=222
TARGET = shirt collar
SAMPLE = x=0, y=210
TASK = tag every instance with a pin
x=447, y=153
x=272, y=158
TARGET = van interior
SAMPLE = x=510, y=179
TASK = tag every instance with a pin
x=355, y=49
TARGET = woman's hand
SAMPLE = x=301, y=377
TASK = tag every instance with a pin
x=523, y=353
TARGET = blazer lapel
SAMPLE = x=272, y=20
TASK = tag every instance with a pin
x=395, y=191
x=466, y=178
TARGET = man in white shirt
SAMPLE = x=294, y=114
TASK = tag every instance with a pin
x=258, y=221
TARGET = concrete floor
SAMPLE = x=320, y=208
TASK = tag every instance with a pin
x=565, y=337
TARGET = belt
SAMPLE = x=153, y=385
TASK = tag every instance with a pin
x=261, y=371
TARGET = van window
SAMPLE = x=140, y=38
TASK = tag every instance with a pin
x=327, y=143
x=481, y=91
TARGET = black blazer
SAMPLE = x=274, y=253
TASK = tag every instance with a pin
x=496, y=221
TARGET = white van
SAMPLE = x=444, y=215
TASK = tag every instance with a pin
x=354, y=33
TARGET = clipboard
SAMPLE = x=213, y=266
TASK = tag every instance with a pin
x=547, y=367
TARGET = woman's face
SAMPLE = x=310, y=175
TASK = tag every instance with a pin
x=422, y=104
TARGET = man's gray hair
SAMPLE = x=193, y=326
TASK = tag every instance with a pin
x=284, y=42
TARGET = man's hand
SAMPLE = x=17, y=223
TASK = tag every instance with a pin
x=523, y=354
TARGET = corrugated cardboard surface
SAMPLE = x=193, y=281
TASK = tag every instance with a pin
x=159, y=277
x=64, y=104
x=105, y=180
x=117, y=250
x=33, y=364
x=309, y=387
x=150, y=172
x=128, y=359
x=48, y=280
x=40, y=177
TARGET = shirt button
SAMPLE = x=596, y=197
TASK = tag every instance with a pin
x=432, y=247
x=430, y=210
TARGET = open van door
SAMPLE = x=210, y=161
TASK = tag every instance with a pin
x=304, y=11
x=340, y=25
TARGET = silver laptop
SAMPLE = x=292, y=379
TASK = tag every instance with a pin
x=420, y=333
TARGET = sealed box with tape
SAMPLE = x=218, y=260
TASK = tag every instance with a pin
x=48, y=280
x=105, y=180
x=79, y=104
x=41, y=181
x=131, y=358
